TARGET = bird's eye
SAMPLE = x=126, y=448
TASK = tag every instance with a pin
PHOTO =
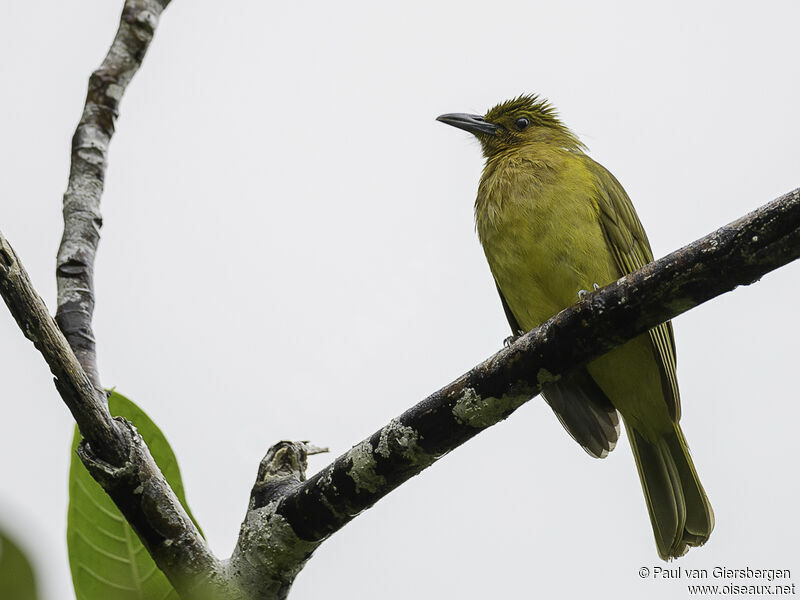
x=521, y=123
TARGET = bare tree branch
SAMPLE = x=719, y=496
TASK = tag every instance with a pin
x=134, y=481
x=112, y=450
x=737, y=254
x=289, y=516
x=268, y=555
x=86, y=404
x=82, y=219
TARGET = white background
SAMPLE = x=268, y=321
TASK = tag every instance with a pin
x=289, y=253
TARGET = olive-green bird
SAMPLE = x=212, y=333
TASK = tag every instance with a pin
x=553, y=222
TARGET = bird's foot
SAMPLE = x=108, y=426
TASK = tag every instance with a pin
x=582, y=293
x=513, y=338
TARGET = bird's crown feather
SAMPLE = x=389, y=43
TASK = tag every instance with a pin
x=532, y=106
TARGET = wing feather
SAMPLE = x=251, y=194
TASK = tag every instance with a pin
x=579, y=403
x=631, y=250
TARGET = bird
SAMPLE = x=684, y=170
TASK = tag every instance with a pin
x=553, y=223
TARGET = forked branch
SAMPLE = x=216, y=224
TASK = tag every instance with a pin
x=289, y=516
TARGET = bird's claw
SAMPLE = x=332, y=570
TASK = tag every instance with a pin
x=513, y=338
x=582, y=293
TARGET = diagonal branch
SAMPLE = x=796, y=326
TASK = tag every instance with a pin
x=737, y=254
x=87, y=406
x=112, y=450
x=288, y=516
x=82, y=219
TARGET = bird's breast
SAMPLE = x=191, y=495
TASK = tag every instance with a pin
x=541, y=232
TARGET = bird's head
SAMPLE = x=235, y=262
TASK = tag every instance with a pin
x=513, y=124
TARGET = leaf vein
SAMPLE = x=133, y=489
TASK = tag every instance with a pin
x=108, y=582
x=99, y=549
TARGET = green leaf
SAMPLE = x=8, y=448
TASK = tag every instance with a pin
x=107, y=560
x=16, y=573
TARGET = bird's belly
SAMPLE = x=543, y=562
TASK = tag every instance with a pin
x=542, y=258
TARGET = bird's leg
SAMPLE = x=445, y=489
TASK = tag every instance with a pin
x=513, y=338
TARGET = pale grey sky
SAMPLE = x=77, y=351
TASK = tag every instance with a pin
x=289, y=253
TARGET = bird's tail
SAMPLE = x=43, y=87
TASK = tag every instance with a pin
x=679, y=509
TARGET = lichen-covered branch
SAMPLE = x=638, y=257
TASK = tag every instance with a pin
x=737, y=254
x=82, y=219
x=289, y=516
x=112, y=450
x=269, y=555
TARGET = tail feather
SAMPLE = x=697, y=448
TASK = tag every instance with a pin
x=699, y=514
x=680, y=512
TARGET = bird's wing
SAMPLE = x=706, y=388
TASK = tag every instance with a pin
x=631, y=249
x=512, y=320
x=579, y=403
x=585, y=411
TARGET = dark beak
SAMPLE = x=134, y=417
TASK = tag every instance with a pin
x=472, y=123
